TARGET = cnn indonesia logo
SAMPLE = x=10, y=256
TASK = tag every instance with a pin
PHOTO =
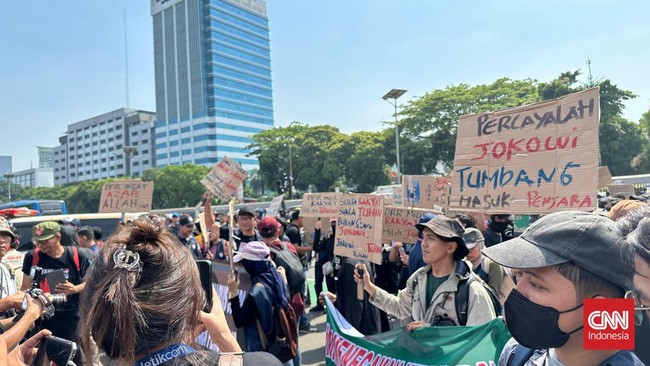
x=609, y=324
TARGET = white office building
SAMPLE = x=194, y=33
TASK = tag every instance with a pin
x=114, y=144
x=35, y=177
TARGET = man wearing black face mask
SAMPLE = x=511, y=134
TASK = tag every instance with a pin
x=498, y=230
x=324, y=248
x=565, y=257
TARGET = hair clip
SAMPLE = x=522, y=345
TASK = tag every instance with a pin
x=127, y=259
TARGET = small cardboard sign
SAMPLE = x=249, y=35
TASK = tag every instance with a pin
x=538, y=158
x=626, y=189
x=126, y=196
x=421, y=191
x=225, y=178
x=399, y=224
x=320, y=205
x=604, y=177
x=359, y=227
x=275, y=205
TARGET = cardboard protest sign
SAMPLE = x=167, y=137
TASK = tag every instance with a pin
x=225, y=178
x=399, y=224
x=275, y=205
x=398, y=196
x=126, y=196
x=604, y=177
x=626, y=189
x=358, y=227
x=538, y=158
x=421, y=191
x=320, y=205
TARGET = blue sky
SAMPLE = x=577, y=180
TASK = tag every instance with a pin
x=63, y=61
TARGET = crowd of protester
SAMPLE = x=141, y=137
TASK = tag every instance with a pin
x=136, y=298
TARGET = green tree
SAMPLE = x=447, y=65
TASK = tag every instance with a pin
x=434, y=116
x=176, y=185
x=16, y=191
x=367, y=165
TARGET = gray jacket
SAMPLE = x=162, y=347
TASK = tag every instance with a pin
x=410, y=304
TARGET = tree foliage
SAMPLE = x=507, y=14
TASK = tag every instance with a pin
x=431, y=121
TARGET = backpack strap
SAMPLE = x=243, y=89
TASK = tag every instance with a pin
x=36, y=257
x=75, y=258
x=284, y=246
x=519, y=356
x=461, y=301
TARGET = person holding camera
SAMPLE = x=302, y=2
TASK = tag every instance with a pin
x=48, y=257
x=428, y=299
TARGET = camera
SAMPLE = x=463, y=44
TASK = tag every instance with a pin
x=55, y=301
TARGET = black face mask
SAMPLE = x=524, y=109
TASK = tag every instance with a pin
x=535, y=326
x=499, y=227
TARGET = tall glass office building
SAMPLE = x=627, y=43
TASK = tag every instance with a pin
x=213, y=79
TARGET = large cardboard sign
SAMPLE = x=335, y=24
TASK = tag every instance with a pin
x=225, y=178
x=126, y=196
x=626, y=189
x=275, y=205
x=538, y=158
x=421, y=191
x=399, y=224
x=323, y=205
x=604, y=177
x=358, y=227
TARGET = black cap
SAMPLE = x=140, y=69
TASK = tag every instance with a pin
x=447, y=228
x=245, y=211
x=589, y=240
x=186, y=220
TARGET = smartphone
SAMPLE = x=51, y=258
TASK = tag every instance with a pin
x=205, y=273
x=54, y=278
x=55, y=349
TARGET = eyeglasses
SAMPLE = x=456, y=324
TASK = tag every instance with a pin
x=189, y=226
x=639, y=308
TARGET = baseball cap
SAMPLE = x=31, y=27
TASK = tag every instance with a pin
x=268, y=226
x=186, y=220
x=447, y=228
x=623, y=207
x=175, y=214
x=253, y=251
x=586, y=239
x=6, y=228
x=295, y=214
x=71, y=220
x=472, y=237
x=246, y=211
x=45, y=230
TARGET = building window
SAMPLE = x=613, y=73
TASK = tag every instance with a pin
x=119, y=166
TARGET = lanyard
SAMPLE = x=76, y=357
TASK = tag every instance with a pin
x=165, y=354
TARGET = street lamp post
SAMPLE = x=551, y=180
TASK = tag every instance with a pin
x=394, y=94
x=290, y=173
x=8, y=176
x=128, y=152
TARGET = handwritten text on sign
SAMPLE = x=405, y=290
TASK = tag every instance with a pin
x=325, y=205
x=426, y=191
x=358, y=227
x=399, y=224
x=126, y=196
x=224, y=179
x=532, y=159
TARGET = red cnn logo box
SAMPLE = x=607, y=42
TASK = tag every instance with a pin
x=609, y=324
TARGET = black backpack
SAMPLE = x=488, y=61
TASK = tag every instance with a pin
x=462, y=298
x=292, y=267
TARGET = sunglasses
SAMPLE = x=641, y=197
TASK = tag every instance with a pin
x=639, y=308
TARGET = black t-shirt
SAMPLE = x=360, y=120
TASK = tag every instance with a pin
x=65, y=262
x=293, y=233
x=246, y=238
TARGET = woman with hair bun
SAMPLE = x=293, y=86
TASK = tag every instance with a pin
x=143, y=305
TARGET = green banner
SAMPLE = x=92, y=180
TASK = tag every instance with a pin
x=476, y=345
